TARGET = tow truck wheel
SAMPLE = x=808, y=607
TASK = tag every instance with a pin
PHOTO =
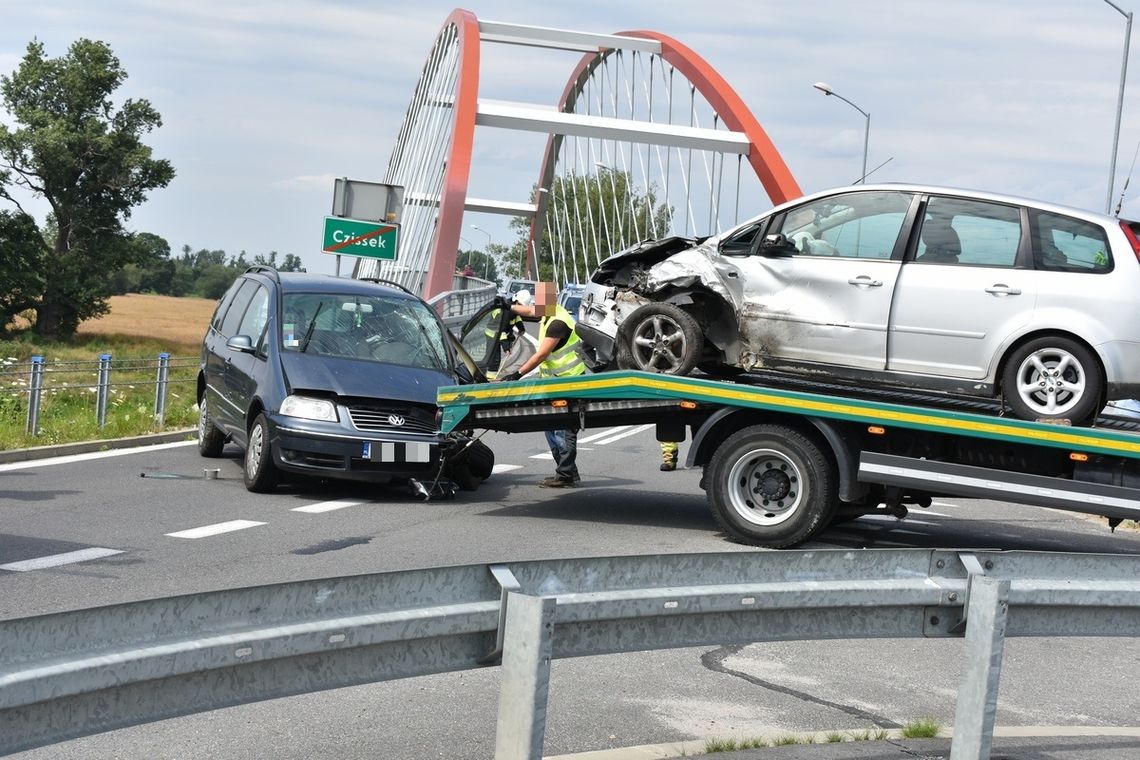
x=771, y=486
x=661, y=338
x=1053, y=378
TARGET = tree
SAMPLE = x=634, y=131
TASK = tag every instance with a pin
x=483, y=262
x=88, y=161
x=292, y=262
x=21, y=265
x=589, y=218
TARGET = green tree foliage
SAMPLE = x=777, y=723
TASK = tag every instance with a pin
x=87, y=160
x=589, y=217
x=21, y=265
x=483, y=263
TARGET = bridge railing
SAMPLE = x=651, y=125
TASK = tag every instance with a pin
x=75, y=673
x=455, y=307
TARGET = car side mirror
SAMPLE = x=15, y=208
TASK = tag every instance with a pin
x=240, y=343
x=777, y=244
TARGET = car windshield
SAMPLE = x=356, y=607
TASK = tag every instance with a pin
x=364, y=327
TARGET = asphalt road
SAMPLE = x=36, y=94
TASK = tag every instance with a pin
x=121, y=511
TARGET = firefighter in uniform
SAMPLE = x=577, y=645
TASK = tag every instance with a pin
x=557, y=355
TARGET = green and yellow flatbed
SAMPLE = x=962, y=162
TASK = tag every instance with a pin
x=781, y=465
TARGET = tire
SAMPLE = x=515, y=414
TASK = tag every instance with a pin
x=1034, y=393
x=211, y=440
x=473, y=467
x=259, y=472
x=798, y=476
x=662, y=338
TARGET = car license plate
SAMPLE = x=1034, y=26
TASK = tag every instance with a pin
x=397, y=452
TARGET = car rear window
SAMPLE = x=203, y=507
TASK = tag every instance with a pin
x=1062, y=243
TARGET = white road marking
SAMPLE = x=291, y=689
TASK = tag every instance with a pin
x=942, y=504
x=626, y=434
x=326, y=506
x=213, y=530
x=505, y=468
x=603, y=434
x=55, y=560
x=91, y=455
x=546, y=455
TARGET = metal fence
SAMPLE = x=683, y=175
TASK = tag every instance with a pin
x=75, y=673
x=105, y=379
x=457, y=306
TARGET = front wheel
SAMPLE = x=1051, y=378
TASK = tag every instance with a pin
x=661, y=337
x=259, y=473
x=1053, y=378
x=771, y=486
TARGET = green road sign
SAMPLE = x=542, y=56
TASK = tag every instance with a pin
x=349, y=237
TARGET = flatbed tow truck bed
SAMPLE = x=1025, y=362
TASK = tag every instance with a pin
x=781, y=464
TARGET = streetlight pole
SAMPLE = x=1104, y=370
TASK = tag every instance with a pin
x=1119, y=103
x=826, y=90
x=486, y=267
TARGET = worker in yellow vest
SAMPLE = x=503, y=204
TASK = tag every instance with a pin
x=557, y=355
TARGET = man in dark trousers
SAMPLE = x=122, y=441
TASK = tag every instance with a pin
x=556, y=356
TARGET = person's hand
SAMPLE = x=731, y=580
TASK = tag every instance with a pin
x=507, y=378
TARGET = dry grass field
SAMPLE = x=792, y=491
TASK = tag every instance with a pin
x=181, y=321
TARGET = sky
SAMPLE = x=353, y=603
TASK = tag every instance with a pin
x=264, y=104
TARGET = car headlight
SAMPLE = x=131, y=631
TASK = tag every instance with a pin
x=309, y=408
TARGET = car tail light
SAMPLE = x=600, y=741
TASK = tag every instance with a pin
x=1132, y=239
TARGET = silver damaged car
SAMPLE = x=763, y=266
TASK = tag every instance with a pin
x=907, y=285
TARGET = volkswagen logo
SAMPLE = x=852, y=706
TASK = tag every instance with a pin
x=395, y=420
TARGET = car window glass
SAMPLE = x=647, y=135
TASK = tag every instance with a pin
x=365, y=327
x=236, y=311
x=956, y=231
x=223, y=304
x=482, y=336
x=741, y=241
x=1065, y=244
x=856, y=225
x=256, y=315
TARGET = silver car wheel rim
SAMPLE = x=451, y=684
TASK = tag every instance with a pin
x=1050, y=381
x=253, y=453
x=203, y=420
x=765, y=487
x=659, y=344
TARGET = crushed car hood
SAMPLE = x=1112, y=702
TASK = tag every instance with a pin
x=697, y=266
x=363, y=379
x=646, y=253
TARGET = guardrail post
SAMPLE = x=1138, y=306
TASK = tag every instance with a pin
x=35, y=392
x=525, y=679
x=981, y=669
x=160, y=388
x=104, y=387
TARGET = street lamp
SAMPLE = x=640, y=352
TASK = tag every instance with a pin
x=486, y=265
x=1119, y=103
x=826, y=90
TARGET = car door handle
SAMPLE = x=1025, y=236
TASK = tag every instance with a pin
x=865, y=281
x=1001, y=289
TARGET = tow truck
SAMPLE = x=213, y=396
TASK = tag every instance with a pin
x=782, y=463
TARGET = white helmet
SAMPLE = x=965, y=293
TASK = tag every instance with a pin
x=524, y=298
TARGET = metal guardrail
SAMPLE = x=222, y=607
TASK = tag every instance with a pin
x=105, y=377
x=457, y=306
x=76, y=673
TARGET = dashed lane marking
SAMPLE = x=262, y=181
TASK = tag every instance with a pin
x=327, y=506
x=213, y=530
x=626, y=434
x=505, y=468
x=55, y=560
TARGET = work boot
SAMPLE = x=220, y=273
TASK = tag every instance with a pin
x=556, y=482
x=668, y=462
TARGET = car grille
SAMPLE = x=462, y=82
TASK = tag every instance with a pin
x=378, y=418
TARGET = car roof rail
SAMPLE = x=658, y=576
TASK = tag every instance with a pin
x=264, y=269
x=391, y=283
